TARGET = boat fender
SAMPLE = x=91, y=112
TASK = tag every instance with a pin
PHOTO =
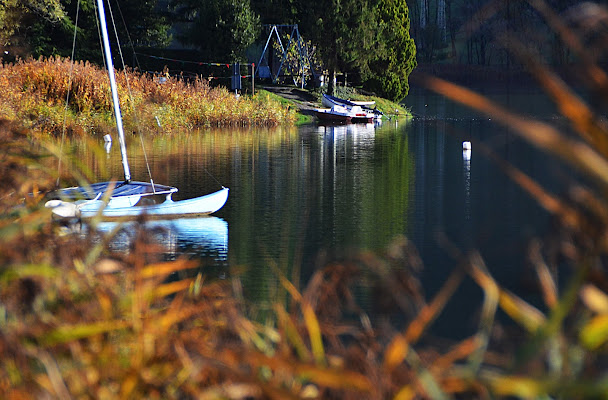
x=62, y=209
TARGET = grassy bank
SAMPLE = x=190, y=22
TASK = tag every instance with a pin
x=34, y=93
x=306, y=101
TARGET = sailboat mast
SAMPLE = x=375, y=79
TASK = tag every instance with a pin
x=115, y=101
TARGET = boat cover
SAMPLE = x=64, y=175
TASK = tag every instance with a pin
x=121, y=189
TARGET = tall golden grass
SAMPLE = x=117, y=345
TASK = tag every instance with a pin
x=36, y=92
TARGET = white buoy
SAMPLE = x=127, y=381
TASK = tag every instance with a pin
x=466, y=145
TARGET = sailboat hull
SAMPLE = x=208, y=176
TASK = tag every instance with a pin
x=203, y=205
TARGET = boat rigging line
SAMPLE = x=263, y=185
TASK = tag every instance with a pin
x=67, y=97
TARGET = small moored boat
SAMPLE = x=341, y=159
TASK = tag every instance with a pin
x=365, y=106
x=343, y=115
x=335, y=114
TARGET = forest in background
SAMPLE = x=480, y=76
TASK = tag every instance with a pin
x=374, y=44
x=481, y=32
x=368, y=39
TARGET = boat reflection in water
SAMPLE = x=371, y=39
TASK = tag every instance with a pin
x=351, y=138
x=204, y=237
x=355, y=132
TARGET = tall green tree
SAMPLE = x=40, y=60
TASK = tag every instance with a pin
x=140, y=23
x=389, y=67
x=45, y=27
x=143, y=20
x=276, y=11
x=18, y=20
x=221, y=29
x=369, y=39
x=331, y=28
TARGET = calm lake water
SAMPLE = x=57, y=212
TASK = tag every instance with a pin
x=301, y=195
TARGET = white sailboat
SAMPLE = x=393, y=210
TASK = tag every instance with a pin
x=120, y=199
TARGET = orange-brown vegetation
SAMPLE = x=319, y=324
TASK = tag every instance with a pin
x=54, y=95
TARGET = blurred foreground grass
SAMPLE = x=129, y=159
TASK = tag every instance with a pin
x=78, y=321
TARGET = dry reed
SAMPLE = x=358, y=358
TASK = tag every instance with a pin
x=35, y=93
